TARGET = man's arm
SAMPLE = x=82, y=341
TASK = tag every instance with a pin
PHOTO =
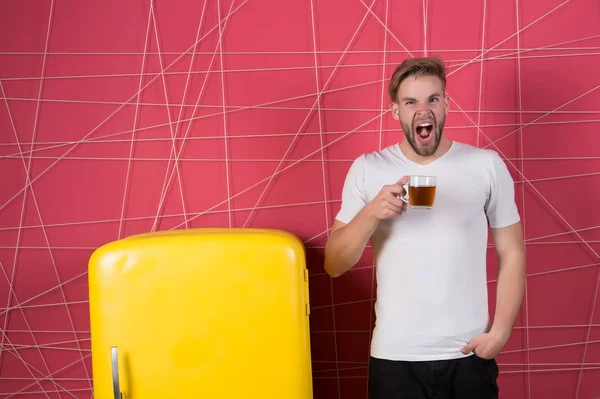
x=511, y=277
x=509, y=293
x=347, y=241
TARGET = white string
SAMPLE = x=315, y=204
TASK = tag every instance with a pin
x=173, y=150
x=383, y=76
x=373, y=51
x=500, y=364
x=562, y=233
x=15, y=353
x=48, y=347
x=53, y=345
x=547, y=370
x=214, y=54
x=513, y=56
x=451, y=63
x=530, y=123
x=183, y=97
x=504, y=364
x=353, y=66
x=342, y=368
x=5, y=336
x=583, y=241
x=282, y=170
x=57, y=379
x=44, y=305
x=543, y=116
x=589, y=332
x=250, y=136
x=326, y=205
x=481, y=69
x=278, y=206
x=516, y=328
x=45, y=292
x=49, y=377
x=11, y=280
x=526, y=290
x=47, y=331
x=566, y=269
x=549, y=327
x=342, y=303
x=533, y=180
x=319, y=94
x=228, y=181
x=189, y=73
x=509, y=37
x=425, y=10
x=310, y=95
x=595, y=295
x=549, y=47
x=386, y=29
x=141, y=218
x=135, y=117
x=550, y=346
x=43, y=172
x=100, y=140
x=92, y=248
x=264, y=106
x=60, y=287
x=175, y=215
x=27, y=168
x=561, y=326
x=379, y=147
x=27, y=365
x=314, y=37
x=562, y=270
x=532, y=186
x=317, y=236
x=64, y=390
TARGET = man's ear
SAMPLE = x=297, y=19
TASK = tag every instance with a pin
x=395, y=111
x=446, y=104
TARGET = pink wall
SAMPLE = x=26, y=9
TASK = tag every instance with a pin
x=257, y=147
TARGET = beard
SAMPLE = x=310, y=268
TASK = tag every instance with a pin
x=410, y=132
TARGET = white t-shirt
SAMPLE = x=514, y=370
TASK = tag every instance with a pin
x=431, y=263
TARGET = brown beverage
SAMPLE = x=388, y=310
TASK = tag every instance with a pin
x=421, y=196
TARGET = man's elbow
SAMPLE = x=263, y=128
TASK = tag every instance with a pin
x=331, y=270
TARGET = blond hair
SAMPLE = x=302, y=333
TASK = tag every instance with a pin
x=425, y=66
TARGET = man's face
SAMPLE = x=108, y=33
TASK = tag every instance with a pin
x=421, y=110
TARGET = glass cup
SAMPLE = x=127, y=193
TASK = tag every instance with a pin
x=420, y=192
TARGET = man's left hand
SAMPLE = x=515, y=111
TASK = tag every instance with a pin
x=486, y=345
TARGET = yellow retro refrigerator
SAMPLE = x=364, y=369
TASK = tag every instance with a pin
x=201, y=313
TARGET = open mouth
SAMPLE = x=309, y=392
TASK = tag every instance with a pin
x=424, y=132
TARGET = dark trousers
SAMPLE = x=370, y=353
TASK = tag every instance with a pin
x=465, y=378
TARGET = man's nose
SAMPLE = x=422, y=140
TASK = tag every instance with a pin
x=423, y=109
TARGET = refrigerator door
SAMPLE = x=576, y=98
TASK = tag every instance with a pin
x=201, y=313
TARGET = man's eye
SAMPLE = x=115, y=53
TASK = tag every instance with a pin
x=434, y=99
x=409, y=102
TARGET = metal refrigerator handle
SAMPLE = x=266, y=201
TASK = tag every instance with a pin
x=115, y=373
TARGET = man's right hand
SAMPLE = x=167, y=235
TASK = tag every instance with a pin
x=387, y=204
x=347, y=241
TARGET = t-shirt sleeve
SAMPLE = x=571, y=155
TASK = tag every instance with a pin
x=501, y=208
x=353, y=194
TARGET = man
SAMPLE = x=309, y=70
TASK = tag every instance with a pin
x=433, y=336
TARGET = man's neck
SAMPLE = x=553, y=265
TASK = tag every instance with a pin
x=407, y=150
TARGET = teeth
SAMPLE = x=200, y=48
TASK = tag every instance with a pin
x=425, y=124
